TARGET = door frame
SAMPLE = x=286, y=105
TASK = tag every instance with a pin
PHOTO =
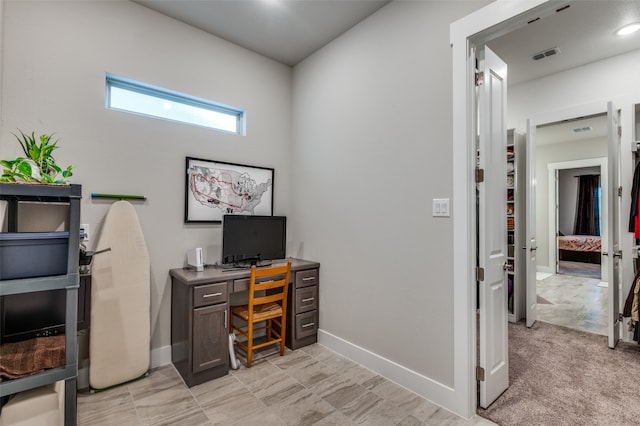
x=493, y=20
x=604, y=202
x=476, y=29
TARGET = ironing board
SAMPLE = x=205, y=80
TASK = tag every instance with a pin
x=119, y=339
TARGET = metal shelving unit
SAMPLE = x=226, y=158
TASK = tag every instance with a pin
x=71, y=195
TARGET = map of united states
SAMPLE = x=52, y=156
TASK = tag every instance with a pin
x=230, y=191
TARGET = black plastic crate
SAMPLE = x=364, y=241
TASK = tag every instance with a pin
x=33, y=254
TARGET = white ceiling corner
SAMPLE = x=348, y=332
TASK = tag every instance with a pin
x=284, y=30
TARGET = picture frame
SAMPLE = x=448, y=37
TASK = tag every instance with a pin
x=215, y=188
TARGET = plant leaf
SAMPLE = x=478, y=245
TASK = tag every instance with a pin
x=46, y=178
x=24, y=168
x=8, y=163
x=67, y=173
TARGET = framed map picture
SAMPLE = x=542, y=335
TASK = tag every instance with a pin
x=216, y=188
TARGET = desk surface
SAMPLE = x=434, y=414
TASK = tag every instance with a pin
x=213, y=273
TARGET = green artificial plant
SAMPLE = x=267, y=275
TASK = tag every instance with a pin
x=38, y=164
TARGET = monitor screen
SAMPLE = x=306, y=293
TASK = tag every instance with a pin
x=251, y=239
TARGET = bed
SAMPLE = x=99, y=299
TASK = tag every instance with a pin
x=580, y=248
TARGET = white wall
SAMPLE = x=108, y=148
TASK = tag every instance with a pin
x=372, y=135
x=602, y=81
x=56, y=54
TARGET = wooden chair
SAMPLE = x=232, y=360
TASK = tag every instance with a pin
x=268, y=289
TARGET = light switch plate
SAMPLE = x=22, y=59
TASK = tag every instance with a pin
x=441, y=207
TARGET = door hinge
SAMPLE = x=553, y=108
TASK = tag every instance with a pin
x=480, y=374
x=479, y=175
x=479, y=78
x=619, y=191
x=620, y=317
x=479, y=274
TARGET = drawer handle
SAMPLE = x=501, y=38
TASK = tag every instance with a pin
x=308, y=299
x=211, y=295
x=311, y=324
x=308, y=278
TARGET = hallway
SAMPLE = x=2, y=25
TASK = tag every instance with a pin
x=575, y=302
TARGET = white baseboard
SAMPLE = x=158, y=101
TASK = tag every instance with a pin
x=160, y=356
x=547, y=269
x=429, y=389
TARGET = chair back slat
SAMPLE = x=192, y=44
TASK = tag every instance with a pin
x=268, y=299
x=268, y=285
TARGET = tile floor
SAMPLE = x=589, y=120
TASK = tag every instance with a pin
x=574, y=302
x=309, y=386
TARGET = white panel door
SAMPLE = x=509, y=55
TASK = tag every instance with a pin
x=531, y=246
x=492, y=229
x=613, y=218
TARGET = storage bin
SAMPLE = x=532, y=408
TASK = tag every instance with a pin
x=33, y=254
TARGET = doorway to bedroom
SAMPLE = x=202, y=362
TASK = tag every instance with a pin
x=572, y=289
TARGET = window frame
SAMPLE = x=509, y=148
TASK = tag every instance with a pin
x=163, y=94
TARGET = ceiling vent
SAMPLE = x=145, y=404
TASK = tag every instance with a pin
x=545, y=54
x=582, y=129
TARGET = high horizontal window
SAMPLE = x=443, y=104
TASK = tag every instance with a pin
x=141, y=98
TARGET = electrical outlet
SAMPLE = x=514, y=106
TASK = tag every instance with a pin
x=84, y=232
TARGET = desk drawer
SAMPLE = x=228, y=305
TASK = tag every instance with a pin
x=209, y=294
x=306, y=324
x=306, y=299
x=241, y=285
x=306, y=278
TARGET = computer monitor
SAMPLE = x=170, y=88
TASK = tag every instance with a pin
x=250, y=239
x=30, y=315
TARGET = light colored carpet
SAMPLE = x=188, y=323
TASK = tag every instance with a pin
x=559, y=376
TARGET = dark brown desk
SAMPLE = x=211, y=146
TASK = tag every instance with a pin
x=200, y=309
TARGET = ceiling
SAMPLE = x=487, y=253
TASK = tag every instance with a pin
x=284, y=30
x=583, y=33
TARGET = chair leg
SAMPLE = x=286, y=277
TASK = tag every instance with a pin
x=249, y=344
x=281, y=342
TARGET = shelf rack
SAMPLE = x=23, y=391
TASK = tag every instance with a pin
x=71, y=195
x=516, y=190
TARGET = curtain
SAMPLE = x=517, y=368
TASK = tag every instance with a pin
x=588, y=208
